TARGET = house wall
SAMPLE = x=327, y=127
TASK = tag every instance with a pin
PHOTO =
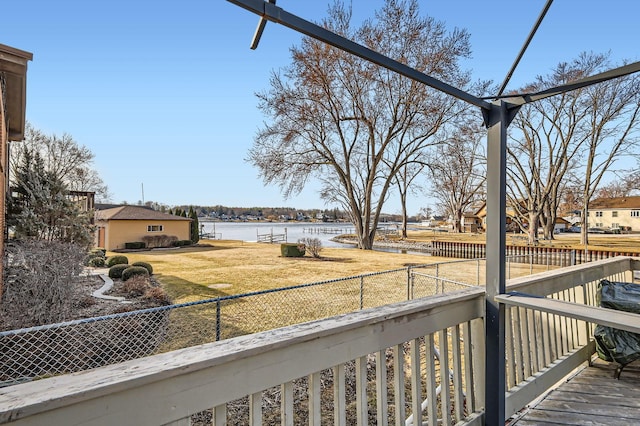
x=4, y=145
x=119, y=232
x=614, y=218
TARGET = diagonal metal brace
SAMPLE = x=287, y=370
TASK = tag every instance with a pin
x=271, y=12
x=260, y=29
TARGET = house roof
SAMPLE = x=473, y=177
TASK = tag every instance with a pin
x=615, y=203
x=135, y=213
x=13, y=70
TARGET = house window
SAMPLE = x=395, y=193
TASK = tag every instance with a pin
x=598, y=214
x=635, y=213
x=614, y=214
x=154, y=228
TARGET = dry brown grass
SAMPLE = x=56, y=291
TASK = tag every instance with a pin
x=234, y=267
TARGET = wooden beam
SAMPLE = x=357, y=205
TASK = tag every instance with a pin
x=595, y=314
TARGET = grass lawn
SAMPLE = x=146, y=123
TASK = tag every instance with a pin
x=231, y=267
x=228, y=267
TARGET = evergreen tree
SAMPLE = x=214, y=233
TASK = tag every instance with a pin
x=195, y=227
x=40, y=207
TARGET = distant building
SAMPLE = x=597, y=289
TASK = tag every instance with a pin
x=125, y=224
x=615, y=213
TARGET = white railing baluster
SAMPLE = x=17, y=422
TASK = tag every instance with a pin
x=381, y=387
x=219, y=415
x=458, y=390
x=445, y=388
x=416, y=382
x=432, y=406
x=315, y=414
x=286, y=404
x=398, y=384
x=517, y=335
x=469, y=379
x=509, y=349
x=477, y=333
x=255, y=409
x=361, y=391
x=339, y=396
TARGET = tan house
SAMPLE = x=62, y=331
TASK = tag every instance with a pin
x=13, y=97
x=127, y=224
x=615, y=213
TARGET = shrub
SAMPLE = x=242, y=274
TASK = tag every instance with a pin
x=182, y=243
x=157, y=295
x=135, y=286
x=292, y=250
x=39, y=281
x=133, y=271
x=159, y=240
x=135, y=245
x=313, y=245
x=116, y=270
x=117, y=260
x=96, y=262
x=98, y=252
x=145, y=265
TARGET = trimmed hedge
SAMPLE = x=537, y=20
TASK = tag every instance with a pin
x=116, y=270
x=96, y=262
x=133, y=271
x=98, y=252
x=292, y=250
x=182, y=243
x=117, y=260
x=145, y=265
x=135, y=245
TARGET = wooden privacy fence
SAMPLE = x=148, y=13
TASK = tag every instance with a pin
x=538, y=255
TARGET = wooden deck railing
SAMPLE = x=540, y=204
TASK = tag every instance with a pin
x=405, y=364
x=544, y=345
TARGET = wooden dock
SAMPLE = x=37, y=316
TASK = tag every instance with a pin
x=592, y=397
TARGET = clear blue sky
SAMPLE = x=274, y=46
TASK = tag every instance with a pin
x=162, y=92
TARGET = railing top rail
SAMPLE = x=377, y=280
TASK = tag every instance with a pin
x=198, y=373
x=549, y=282
x=608, y=317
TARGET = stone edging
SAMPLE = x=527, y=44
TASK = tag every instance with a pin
x=108, y=284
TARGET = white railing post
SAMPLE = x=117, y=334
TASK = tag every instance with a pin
x=339, y=396
x=381, y=387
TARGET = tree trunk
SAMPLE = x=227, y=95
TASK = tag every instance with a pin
x=533, y=227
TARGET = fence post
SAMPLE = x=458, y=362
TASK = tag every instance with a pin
x=409, y=280
x=478, y=272
x=361, y=293
x=437, y=275
x=217, y=320
x=530, y=263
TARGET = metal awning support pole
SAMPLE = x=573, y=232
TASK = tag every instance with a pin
x=497, y=119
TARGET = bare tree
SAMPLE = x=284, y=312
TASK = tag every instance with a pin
x=457, y=173
x=64, y=158
x=405, y=182
x=613, y=123
x=547, y=151
x=354, y=125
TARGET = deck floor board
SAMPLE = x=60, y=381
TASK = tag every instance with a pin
x=592, y=397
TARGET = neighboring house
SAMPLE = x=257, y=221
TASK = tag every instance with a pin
x=481, y=214
x=13, y=97
x=616, y=212
x=126, y=224
x=471, y=222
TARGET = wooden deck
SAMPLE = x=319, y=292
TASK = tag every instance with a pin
x=592, y=397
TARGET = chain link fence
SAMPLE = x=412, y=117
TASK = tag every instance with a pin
x=78, y=345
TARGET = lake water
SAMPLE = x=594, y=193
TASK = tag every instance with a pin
x=248, y=231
